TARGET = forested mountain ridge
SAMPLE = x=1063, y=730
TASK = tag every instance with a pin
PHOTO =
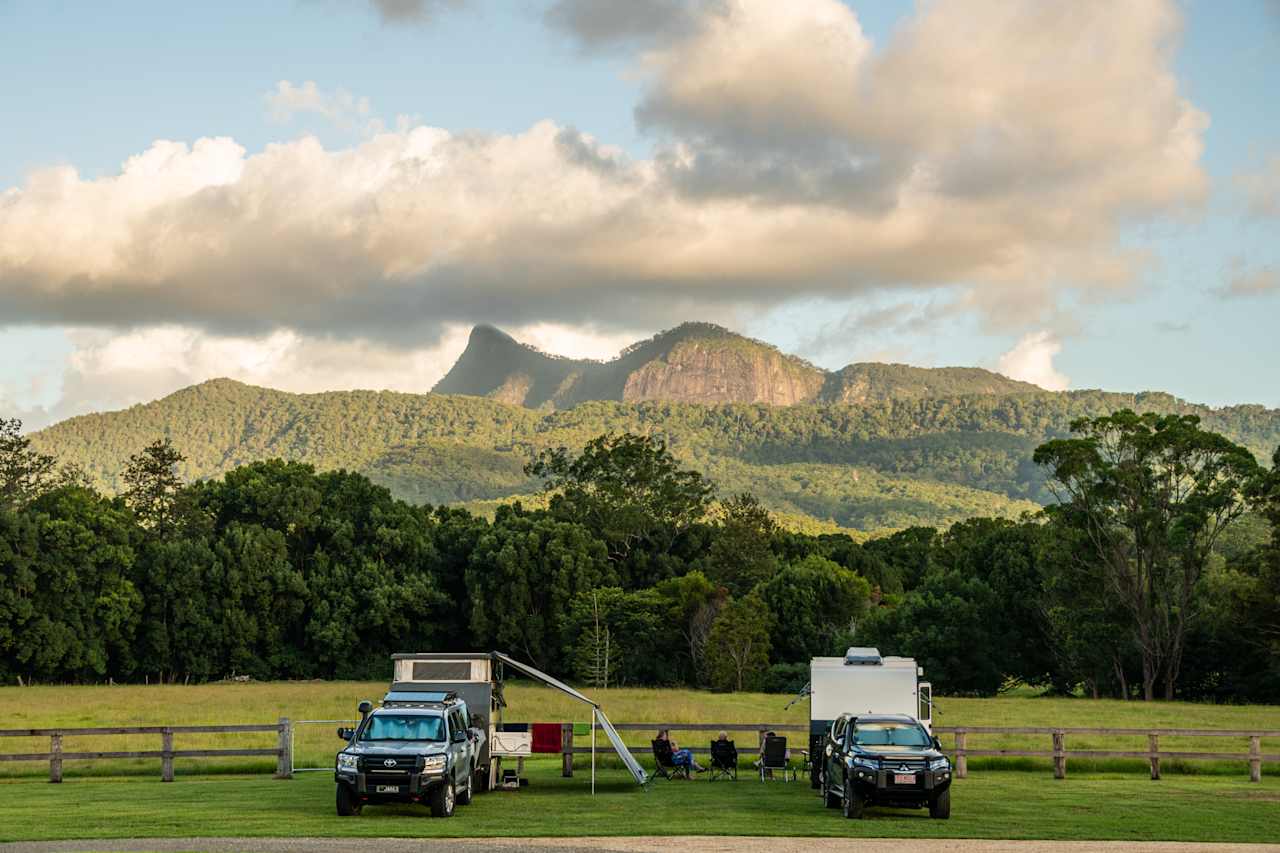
x=695, y=363
x=885, y=463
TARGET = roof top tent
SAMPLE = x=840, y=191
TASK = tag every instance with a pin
x=477, y=677
x=865, y=682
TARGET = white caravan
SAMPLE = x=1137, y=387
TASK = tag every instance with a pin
x=864, y=682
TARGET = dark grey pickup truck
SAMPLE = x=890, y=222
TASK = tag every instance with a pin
x=415, y=748
x=885, y=760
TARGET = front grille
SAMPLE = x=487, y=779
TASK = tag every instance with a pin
x=376, y=768
x=910, y=765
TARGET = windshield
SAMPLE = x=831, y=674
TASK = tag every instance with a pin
x=403, y=727
x=890, y=734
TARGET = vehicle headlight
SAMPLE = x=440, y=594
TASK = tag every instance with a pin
x=434, y=762
x=940, y=764
x=868, y=763
x=347, y=762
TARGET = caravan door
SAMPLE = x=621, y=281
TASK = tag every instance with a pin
x=925, y=691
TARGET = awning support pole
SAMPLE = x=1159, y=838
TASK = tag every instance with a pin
x=593, y=751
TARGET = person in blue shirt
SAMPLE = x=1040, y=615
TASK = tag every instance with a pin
x=680, y=757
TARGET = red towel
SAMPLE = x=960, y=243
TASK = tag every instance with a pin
x=546, y=737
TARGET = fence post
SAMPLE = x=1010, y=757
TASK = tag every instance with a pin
x=55, y=763
x=1153, y=750
x=166, y=757
x=566, y=750
x=284, y=750
x=1255, y=758
x=1059, y=754
x=962, y=759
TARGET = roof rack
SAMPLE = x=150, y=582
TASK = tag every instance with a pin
x=419, y=699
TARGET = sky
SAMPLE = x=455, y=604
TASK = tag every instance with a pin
x=327, y=194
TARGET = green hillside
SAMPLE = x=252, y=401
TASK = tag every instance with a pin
x=886, y=463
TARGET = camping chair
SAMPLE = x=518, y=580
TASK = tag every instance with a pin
x=664, y=762
x=773, y=757
x=724, y=760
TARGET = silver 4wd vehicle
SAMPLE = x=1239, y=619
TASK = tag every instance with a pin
x=415, y=748
x=884, y=760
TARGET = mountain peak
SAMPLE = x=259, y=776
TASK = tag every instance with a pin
x=695, y=362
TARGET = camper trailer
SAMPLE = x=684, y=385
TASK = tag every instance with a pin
x=864, y=682
x=475, y=677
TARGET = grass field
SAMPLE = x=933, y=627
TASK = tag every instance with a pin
x=997, y=804
x=33, y=707
x=125, y=798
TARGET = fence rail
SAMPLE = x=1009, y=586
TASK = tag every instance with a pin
x=283, y=751
x=1058, y=750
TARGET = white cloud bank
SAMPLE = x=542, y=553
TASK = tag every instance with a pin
x=993, y=143
x=1031, y=360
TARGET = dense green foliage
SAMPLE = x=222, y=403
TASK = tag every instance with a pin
x=883, y=464
x=625, y=572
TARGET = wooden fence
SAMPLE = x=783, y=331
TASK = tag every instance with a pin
x=166, y=753
x=1058, y=750
x=1153, y=753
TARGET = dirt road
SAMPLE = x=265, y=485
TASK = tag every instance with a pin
x=696, y=844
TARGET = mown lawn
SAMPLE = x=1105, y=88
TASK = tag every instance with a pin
x=988, y=805
x=33, y=707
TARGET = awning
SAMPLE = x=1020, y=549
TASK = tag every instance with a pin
x=619, y=747
x=539, y=675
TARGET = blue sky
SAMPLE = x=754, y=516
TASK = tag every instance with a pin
x=92, y=85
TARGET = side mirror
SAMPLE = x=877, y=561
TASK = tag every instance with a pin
x=459, y=737
x=346, y=734
x=937, y=744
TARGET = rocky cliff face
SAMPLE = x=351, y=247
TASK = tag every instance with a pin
x=695, y=363
x=716, y=371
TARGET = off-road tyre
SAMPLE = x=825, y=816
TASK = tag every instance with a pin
x=443, y=799
x=464, y=796
x=348, y=804
x=851, y=804
x=940, y=806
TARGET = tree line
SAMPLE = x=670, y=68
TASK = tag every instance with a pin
x=1154, y=573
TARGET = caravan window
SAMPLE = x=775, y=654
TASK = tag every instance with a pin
x=442, y=670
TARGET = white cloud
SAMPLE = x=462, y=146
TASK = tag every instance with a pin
x=993, y=143
x=1031, y=360
x=343, y=109
x=1248, y=282
x=1262, y=188
x=107, y=371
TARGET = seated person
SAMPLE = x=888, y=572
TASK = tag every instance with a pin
x=680, y=757
x=760, y=760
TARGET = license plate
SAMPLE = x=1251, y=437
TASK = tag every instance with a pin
x=904, y=778
x=388, y=789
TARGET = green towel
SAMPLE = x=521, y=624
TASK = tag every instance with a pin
x=581, y=729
